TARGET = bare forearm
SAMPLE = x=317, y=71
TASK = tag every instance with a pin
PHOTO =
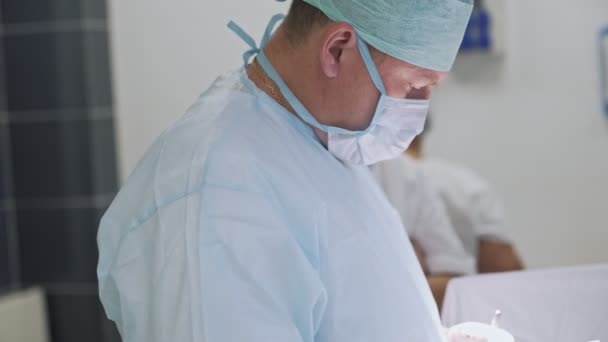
x=497, y=257
x=439, y=284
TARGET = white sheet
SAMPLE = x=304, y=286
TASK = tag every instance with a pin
x=556, y=305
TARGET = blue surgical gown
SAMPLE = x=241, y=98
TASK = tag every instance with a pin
x=238, y=225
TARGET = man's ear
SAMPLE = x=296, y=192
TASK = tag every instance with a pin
x=337, y=38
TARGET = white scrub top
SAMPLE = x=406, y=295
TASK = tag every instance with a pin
x=474, y=208
x=238, y=225
x=423, y=215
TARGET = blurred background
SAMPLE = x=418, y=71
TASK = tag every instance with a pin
x=86, y=85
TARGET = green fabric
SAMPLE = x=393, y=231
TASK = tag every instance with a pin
x=426, y=33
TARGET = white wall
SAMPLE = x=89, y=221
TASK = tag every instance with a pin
x=535, y=130
x=166, y=53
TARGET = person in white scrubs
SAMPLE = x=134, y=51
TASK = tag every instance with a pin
x=255, y=217
x=439, y=249
x=474, y=209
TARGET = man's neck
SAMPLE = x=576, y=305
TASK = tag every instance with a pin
x=283, y=58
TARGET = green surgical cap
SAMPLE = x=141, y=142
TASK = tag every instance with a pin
x=426, y=33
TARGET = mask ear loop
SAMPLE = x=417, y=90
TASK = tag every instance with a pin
x=370, y=65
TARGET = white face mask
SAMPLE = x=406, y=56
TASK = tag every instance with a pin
x=396, y=122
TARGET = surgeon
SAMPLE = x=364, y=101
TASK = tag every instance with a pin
x=255, y=217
